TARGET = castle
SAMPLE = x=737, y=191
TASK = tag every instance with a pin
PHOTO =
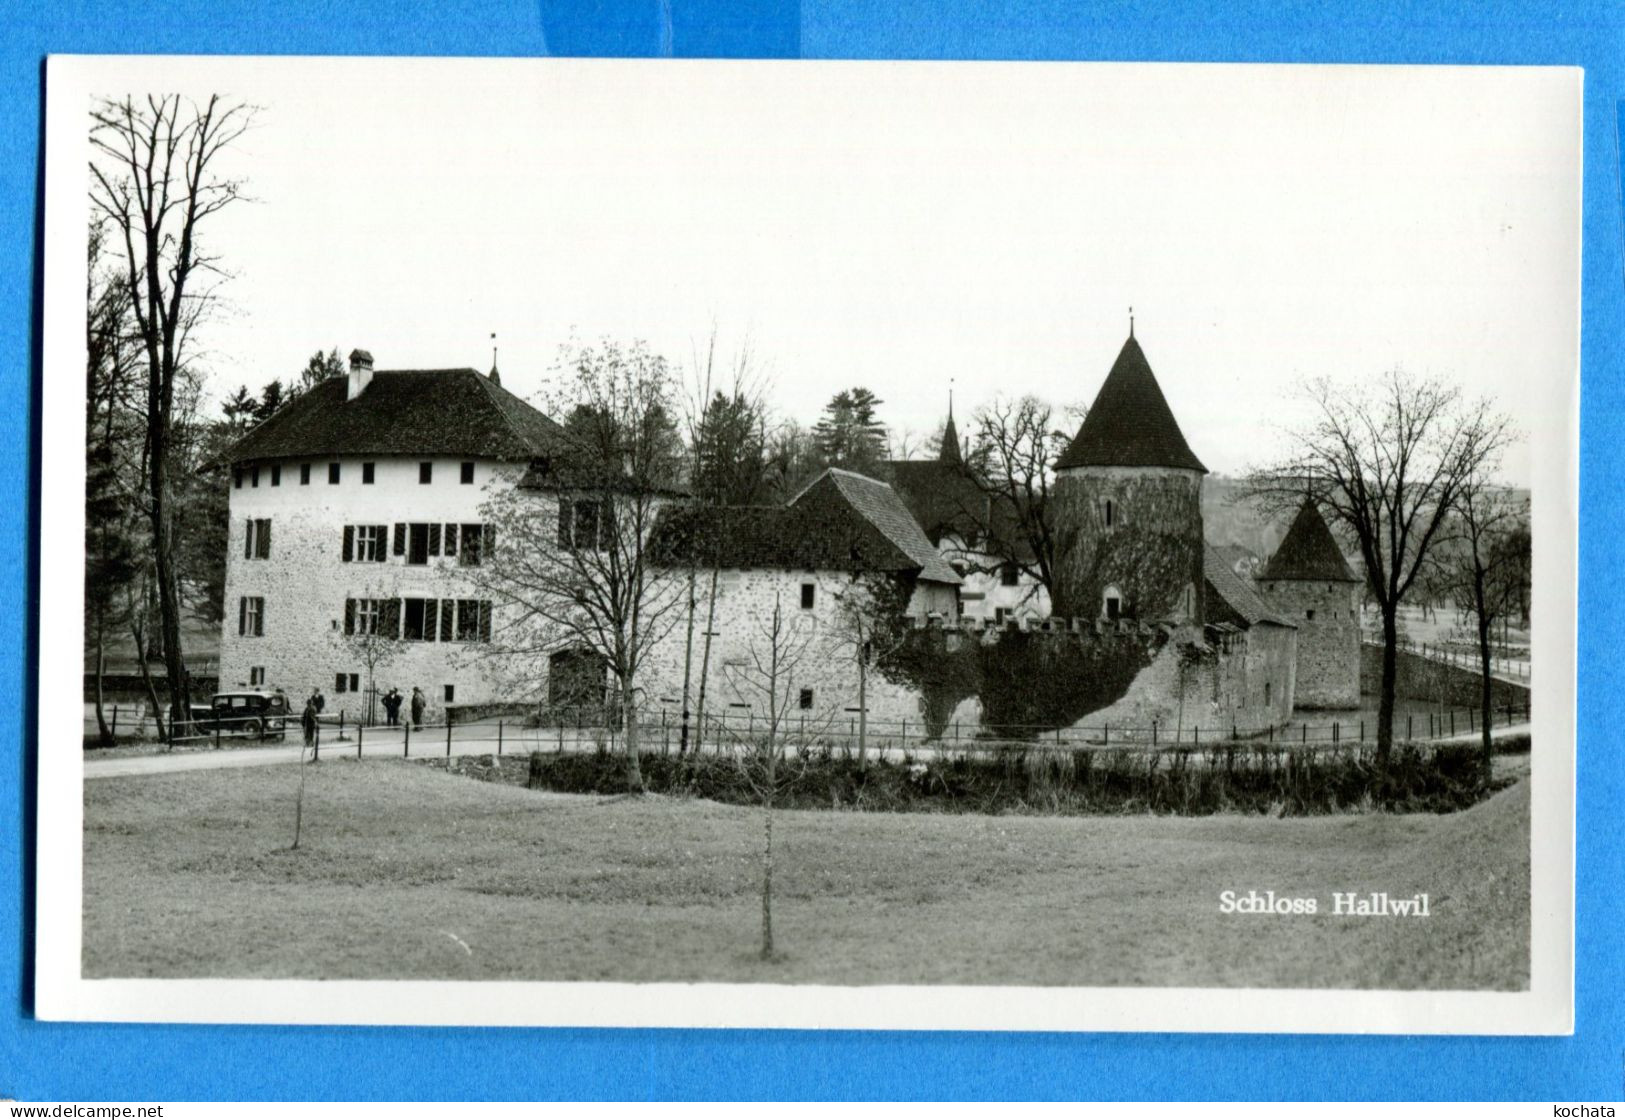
x=371, y=489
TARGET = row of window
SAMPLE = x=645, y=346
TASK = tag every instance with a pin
x=417, y=541
x=420, y=620
x=251, y=474
x=412, y=620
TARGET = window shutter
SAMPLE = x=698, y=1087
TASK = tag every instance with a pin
x=430, y=619
x=349, y=616
x=451, y=539
x=264, y=541
x=248, y=539
x=485, y=620
x=434, y=539
x=400, y=538
x=259, y=618
x=488, y=540
x=446, y=606
x=242, y=617
x=565, y=537
x=389, y=618
x=349, y=543
x=378, y=552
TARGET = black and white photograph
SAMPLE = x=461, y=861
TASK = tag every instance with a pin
x=1014, y=546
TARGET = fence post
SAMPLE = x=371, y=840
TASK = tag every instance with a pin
x=1408, y=733
x=316, y=745
x=341, y=723
x=1106, y=735
x=448, y=735
x=1470, y=720
x=1306, y=734
x=1362, y=732
x=1153, y=733
x=499, y=738
x=1452, y=721
x=115, y=721
x=360, y=737
x=1196, y=736
x=407, y=753
x=217, y=721
x=1272, y=734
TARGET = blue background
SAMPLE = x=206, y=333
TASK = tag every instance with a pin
x=68, y=1062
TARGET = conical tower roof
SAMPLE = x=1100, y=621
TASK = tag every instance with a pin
x=1130, y=423
x=949, y=452
x=1308, y=552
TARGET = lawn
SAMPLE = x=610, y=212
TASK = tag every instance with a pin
x=410, y=872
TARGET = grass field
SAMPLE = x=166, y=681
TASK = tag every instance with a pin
x=409, y=872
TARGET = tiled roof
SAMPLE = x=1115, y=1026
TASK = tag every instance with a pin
x=1130, y=423
x=840, y=522
x=1231, y=598
x=942, y=497
x=1308, y=552
x=405, y=412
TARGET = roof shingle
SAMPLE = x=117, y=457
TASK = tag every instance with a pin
x=1231, y=598
x=1308, y=552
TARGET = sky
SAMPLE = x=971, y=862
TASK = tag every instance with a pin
x=905, y=227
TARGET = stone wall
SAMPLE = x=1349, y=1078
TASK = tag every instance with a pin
x=1421, y=678
x=1245, y=682
x=1327, y=616
x=305, y=580
x=1152, y=552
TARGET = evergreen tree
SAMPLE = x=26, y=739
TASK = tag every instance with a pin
x=849, y=434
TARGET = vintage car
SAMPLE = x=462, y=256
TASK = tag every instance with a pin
x=255, y=713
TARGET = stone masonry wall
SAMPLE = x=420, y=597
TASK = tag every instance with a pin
x=1152, y=553
x=1421, y=678
x=305, y=581
x=1328, y=620
x=1245, y=682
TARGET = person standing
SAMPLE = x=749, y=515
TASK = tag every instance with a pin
x=308, y=720
x=317, y=700
x=392, y=707
x=418, y=704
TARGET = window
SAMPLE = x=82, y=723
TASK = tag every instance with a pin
x=251, y=616
x=1112, y=604
x=237, y=477
x=809, y=595
x=583, y=524
x=425, y=473
x=304, y=474
x=474, y=540
x=806, y=699
x=413, y=619
x=254, y=475
x=367, y=473
x=341, y=682
x=1111, y=511
x=468, y=474
x=422, y=541
x=1000, y=614
x=257, y=539
x=1266, y=693
x=451, y=693
x=1310, y=615
x=367, y=616
x=256, y=675
x=276, y=474
x=468, y=620
x=365, y=543
x=332, y=474
x=1009, y=575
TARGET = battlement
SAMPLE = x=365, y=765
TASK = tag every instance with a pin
x=1082, y=630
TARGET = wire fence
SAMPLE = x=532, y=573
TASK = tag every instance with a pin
x=588, y=729
x=1458, y=655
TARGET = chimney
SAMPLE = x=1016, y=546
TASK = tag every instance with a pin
x=360, y=374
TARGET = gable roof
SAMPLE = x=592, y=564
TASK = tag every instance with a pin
x=840, y=522
x=405, y=412
x=942, y=496
x=1130, y=424
x=1308, y=552
x=1231, y=598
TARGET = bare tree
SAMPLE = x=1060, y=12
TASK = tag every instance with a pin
x=1014, y=450
x=371, y=635
x=570, y=567
x=1483, y=565
x=154, y=176
x=867, y=630
x=765, y=678
x=1387, y=460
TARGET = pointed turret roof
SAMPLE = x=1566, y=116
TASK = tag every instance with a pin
x=1308, y=551
x=1130, y=423
x=950, y=452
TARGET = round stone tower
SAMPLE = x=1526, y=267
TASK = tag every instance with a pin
x=1309, y=584
x=1127, y=506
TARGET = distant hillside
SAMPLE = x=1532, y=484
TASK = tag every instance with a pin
x=1229, y=519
